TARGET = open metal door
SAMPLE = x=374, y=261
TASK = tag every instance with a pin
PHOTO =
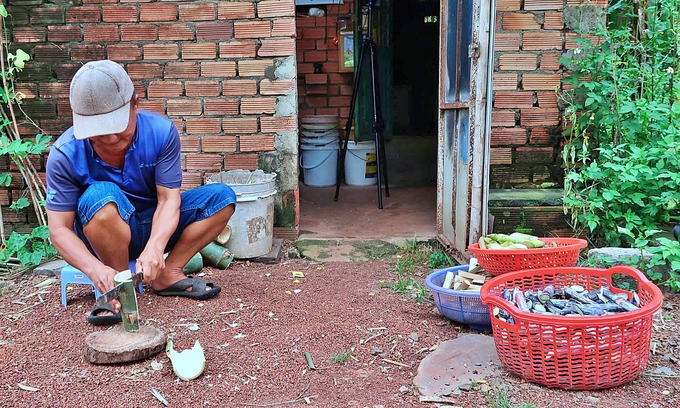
x=466, y=56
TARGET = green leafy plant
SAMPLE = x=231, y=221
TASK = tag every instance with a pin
x=412, y=266
x=30, y=248
x=406, y=284
x=412, y=244
x=623, y=167
x=501, y=400
x=342, y=357
x=440, y=259
x=667, y=254
x=664, y=252
x=643, y=244
x=621, y=155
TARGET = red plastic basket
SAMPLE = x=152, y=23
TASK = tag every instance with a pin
x=577, y=353
x=557, y=252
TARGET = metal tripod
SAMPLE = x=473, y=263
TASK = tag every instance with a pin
x=378, y=124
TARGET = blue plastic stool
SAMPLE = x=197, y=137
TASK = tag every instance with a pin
x=73, y=276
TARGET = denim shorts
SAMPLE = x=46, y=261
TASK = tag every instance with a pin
x=197, y=204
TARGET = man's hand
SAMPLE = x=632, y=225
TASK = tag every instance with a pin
x=74, y=251
x=151, y=263
x=103, y=280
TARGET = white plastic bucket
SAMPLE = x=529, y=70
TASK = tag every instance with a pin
x=319, y=130
x=252, y=225
x=361, y=164
x=319, y=161
x=319, y=141
x=320, y=133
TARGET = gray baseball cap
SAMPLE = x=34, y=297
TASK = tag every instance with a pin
x=100, y=99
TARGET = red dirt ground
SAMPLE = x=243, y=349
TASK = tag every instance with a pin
x=256, y=333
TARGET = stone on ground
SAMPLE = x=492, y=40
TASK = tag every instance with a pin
x=274, y=255
x=115, y=345
x=457, y=363
x=51, y=268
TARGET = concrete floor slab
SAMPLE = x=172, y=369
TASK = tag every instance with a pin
x=407, y=213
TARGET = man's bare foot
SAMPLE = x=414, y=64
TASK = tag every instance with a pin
x=166, y=279
x=110, y=309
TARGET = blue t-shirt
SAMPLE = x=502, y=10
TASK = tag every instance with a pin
x=152, y=159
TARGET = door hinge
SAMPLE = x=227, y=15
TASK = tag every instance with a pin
x=473, y=50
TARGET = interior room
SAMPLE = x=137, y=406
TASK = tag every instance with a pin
x=410, y=146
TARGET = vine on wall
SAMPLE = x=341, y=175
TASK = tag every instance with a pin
x=20, y=249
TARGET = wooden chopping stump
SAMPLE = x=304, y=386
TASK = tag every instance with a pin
x=118, y=346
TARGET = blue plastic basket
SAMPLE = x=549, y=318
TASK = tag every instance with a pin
x=462, y=306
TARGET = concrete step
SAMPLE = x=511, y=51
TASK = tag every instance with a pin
x=535, y=211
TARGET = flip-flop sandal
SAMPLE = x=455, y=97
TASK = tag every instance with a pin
x=107, y=320
x=199, y=289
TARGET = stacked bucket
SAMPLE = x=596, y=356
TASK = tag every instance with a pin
x=250, y=229
x=319, y=148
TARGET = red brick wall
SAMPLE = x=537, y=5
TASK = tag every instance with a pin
x=330, y=92
x=526, y=134
x=208, y=65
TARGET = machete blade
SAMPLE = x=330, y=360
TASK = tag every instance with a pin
x=114, y=293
